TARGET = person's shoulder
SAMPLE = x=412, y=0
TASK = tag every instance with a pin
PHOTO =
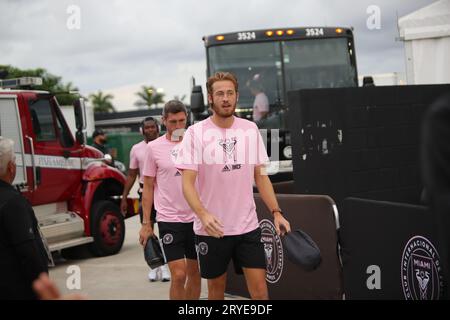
x=6, y=194
x=244, y=123
x=138, y=145
x=199, y=124
x=157, y=142
x=134, y=147
x=10, y=198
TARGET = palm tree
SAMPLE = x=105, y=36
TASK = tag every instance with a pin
x=65, y=98
x=102, y=102
x=149, y=96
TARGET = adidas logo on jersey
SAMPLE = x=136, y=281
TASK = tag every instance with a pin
x=177, y=174
x=226, y=169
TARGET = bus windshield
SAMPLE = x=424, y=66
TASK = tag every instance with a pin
x=267, y=70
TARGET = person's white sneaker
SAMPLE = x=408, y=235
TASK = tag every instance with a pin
x=152, y=275
x=165, y=273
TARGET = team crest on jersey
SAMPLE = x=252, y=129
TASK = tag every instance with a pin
x=229, y=148
x=174, y=153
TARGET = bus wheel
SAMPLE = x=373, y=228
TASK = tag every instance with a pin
x=107, y=228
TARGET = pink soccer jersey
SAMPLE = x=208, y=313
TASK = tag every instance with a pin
x=225, y=160
x=137, y=157
x=168, y=193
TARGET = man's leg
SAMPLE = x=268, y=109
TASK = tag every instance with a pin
x=193, y=284
x=178, y=273
x=249, y=255
x=216, y=287
x=256, y=283
x=214, y=256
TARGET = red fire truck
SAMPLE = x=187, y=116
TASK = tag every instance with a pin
x=75, y=194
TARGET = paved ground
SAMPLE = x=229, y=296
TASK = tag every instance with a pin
x=122, y=276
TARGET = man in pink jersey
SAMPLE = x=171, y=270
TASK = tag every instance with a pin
x=225, y=155
x=162, y=185
x=150, y=130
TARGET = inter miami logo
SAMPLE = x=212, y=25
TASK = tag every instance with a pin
x=202, y=248
x=273, y=249
x=174, y=154
x=421, y=270
x=229, y=148
x=168, y=238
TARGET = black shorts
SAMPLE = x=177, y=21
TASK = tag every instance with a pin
x=178, y=240
x=246, y=251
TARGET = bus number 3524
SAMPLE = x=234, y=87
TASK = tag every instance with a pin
x=314, y=32
x=242, y=36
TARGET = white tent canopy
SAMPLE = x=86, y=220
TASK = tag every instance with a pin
x=426, y=33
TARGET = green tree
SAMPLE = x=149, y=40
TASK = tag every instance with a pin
x=102, y=102
x=149, y=96
x=50, y=82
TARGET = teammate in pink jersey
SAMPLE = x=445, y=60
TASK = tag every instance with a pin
x=225, y=155
x=150, y=130
x=162, y=186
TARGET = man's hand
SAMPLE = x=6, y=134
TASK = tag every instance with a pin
x=123, y=205
x=282, y=226
x=46, y=289
x=145, y=233
x=212, y=225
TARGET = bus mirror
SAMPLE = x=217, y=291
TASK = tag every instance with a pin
x=80, y=114
x=197, y=104
x=81, y=137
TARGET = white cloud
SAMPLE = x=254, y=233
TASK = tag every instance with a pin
x=123, y=44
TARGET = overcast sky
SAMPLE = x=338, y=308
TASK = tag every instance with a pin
x=122, y=45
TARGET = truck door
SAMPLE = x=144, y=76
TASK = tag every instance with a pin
x=10, y=127
x=56, y=155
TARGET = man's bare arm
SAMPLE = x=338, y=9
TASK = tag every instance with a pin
x=267, y=193
x=211, y=224
x=131, y=178
x=147, y=202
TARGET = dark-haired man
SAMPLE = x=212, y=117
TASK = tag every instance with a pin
x=150, y=130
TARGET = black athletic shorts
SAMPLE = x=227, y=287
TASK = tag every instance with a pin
x=246, y=251
x=178, y=240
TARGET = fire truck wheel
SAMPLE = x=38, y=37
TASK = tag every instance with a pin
x=107, y=228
